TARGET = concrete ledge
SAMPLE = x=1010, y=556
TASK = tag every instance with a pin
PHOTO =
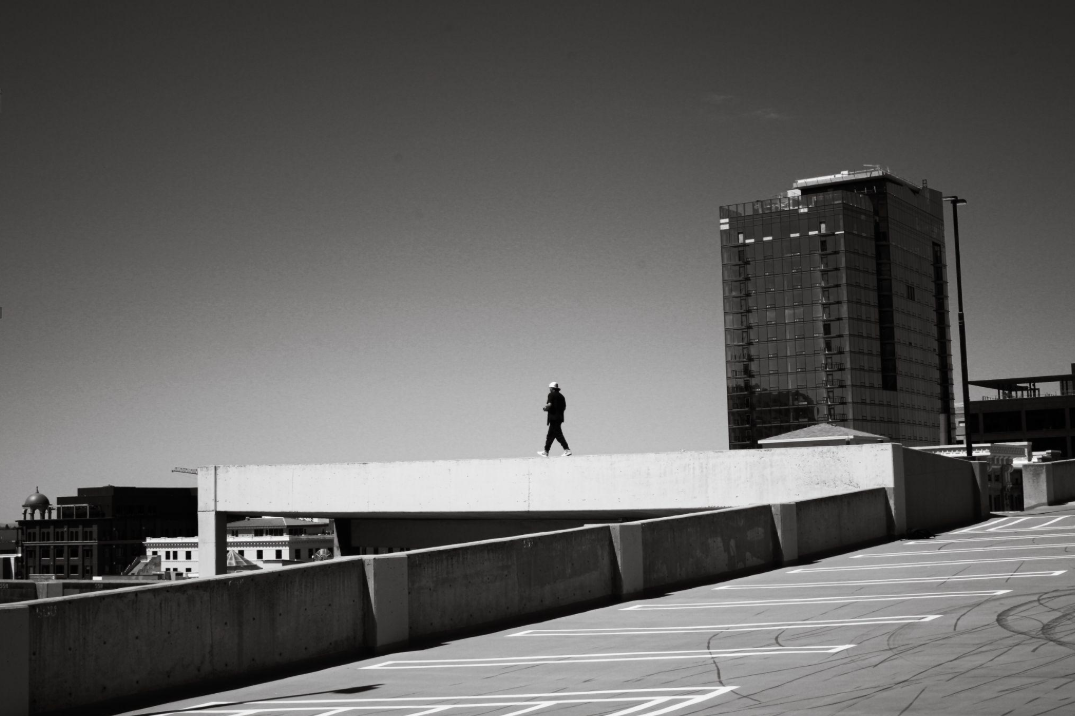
x=939, y=492
x=827, y=524
x=96, y=648
x=1048, y=483
x=465, y=587
x=691, y=548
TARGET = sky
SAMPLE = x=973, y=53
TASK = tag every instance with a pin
x=264, y=232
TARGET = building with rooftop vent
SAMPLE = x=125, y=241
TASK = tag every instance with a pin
x=836, y=310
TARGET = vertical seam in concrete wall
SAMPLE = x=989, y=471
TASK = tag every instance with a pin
x=387, y=584
x=898, y=496
x=15, y=662
x=786, y=520
x=627, y=551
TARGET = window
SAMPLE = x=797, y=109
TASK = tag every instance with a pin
x=298, y=554
x=823, y=229
x=827, y=329
x=910, y=292
x=279, y=554
x=740, y=237
x=188, y=556
x=188, y=569
x=242, y=553
x=260, y=552
x=311, y=553
x=153, y=553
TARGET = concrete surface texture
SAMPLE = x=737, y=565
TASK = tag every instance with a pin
x=618, y=485
x=246, y=625
x=1048, y=483
x=975, y=621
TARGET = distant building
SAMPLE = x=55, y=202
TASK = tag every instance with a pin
x=257, y=543
x=1037, y=409
x=836, y=310
x=9, y=550
x=101, y=531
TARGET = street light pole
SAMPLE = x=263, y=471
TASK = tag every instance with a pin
x=956, y=201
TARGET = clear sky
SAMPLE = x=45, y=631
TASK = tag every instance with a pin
x=316, y=232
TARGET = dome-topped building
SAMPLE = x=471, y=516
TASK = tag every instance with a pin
x=37, y=503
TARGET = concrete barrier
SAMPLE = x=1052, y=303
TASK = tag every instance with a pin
x=17, y=591
x=72, y=652
x=939, y=492
x=455, y=589
x=95, y=648
x=1048, y=483
x=691, y=548
x=827, y=524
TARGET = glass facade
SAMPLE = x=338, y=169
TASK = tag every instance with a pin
x=836, y=310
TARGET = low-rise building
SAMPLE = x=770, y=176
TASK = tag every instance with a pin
x=100, y=531
x=266, y=542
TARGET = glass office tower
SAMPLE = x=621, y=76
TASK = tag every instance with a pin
x=836, y=310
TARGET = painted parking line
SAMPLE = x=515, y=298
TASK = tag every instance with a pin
x=903, y=580
x=714, y=628
x=602, y=658
x=851, y=599
x=1007, y=526
x=1005, y=531
x=980, y=526
x=938, y=552
x=937, y=540
x=946, y=563
x=1046, y=524
x=617, y=702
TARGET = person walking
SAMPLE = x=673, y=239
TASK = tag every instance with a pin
x=555, y=405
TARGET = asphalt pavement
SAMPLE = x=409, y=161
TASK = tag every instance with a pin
x=974, y=621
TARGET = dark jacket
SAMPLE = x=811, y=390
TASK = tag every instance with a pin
x=556, y=405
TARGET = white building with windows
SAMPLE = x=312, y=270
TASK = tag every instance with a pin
x=267, y=542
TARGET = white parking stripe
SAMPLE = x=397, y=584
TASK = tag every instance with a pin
x=903, y=565
x=904, y=580
x=939, y=552
x=601, y=658
x=909, y=543
x=811, y=600
x=1042, y=526
x=714, y=628
x=638, y=702
x=979, y=526
x=1014, y=522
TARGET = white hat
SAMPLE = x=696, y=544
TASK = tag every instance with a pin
x=554, y=384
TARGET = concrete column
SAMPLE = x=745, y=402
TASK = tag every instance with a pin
x=627, y=545
x=212, y=543
x=388, y=622
x=15, y=661
x=897, y=501
x=785, y=517
x=212, y=527
x=1038, y=487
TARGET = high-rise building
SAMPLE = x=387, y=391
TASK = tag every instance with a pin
x=836, y=310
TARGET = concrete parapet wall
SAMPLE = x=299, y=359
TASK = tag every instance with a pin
x=459, y=588
x=827, y=524
x=647, y=484
x=94, y=648
x=939, y=492
x=17, y=591
x=1048, y=483
x=691, y=548
x=72, y=652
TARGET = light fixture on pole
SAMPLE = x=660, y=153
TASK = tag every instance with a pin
x=956, y=202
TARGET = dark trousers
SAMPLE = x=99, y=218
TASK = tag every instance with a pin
x=556, y=432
